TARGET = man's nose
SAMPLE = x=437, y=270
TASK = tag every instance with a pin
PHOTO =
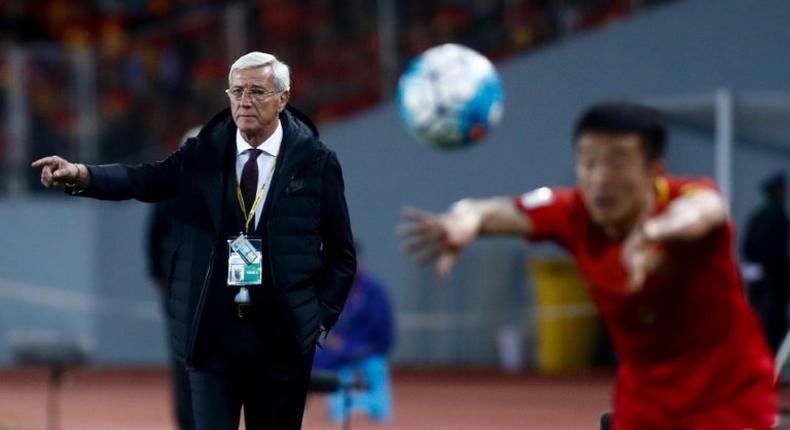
x=601, y=175
x=245, y=101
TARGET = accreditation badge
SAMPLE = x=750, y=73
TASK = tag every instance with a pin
x=244, y=260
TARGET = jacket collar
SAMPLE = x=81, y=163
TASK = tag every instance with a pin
x=299, y=136
x=299, y=139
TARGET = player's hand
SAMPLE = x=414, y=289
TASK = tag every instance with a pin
x=57, y=171
x=640, y=257
x=438, y=237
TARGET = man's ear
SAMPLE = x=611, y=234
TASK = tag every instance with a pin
x=284, y=97
x=657, y=168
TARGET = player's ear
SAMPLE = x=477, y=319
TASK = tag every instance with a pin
x=283, y=99
x=657, y=167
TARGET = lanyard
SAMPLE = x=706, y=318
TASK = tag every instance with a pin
x=258, y=198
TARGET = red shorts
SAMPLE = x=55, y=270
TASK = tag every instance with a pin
x=753, y=409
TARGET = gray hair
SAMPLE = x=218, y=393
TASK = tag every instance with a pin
x=255, y=59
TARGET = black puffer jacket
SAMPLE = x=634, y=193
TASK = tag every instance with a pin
x=310, y=246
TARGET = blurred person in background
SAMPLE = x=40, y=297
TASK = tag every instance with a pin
x=358, y=348
x=657, y=252
x=162, y=241
x=766, y=259
x=257, y=191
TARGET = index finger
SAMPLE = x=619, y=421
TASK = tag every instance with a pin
x=412, y=228
x=418, y=223
x=414, y=214
x=43, y=161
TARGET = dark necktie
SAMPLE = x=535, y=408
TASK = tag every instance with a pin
x=249, y=180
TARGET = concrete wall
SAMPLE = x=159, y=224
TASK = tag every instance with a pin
x=75, y=268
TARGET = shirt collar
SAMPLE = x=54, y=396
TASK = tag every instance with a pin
x=270, y=146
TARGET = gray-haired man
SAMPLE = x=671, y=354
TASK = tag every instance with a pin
x=257, y=194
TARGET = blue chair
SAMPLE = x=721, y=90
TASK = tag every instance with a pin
x=374, y=399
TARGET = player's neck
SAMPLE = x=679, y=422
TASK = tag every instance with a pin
x=617, y=231
x=620, y=230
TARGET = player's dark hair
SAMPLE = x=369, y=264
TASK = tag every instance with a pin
x=620, y=117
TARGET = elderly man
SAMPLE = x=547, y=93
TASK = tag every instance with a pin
x=265, y=257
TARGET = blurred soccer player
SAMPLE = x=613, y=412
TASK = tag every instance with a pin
x=657, y=252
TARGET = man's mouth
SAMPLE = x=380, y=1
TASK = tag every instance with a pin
x=604, y=202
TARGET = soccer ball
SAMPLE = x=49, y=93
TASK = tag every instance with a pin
x=450, y=97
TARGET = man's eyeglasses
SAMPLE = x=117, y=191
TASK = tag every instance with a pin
x=256, y=93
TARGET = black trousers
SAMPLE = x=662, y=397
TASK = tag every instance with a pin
x=272, y=391
x=182, y=397
x=769, y=299
x=180, y=391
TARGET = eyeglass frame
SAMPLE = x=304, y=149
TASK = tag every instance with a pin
x=261, y=96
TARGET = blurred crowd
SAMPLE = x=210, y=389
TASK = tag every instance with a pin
x=161, y=65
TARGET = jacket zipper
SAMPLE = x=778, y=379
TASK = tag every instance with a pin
x=269, y=254
x=199, y=309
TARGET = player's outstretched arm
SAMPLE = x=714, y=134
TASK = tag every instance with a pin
x=57, y=171
x=688, y=217
x=442, y=237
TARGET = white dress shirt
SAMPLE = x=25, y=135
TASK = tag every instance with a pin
x=270, y=148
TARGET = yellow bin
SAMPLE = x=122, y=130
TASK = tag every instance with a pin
x=567, y=321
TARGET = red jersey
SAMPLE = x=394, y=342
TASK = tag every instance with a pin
x=691, y=351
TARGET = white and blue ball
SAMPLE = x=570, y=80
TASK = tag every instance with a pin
x=450, y=97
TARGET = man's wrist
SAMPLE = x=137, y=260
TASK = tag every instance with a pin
x=663, y=228
x=83, y=175
x=471, y=210
x=651, y=230
x=81, y=180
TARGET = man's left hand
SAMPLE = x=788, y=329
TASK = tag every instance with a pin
x=640, y=257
